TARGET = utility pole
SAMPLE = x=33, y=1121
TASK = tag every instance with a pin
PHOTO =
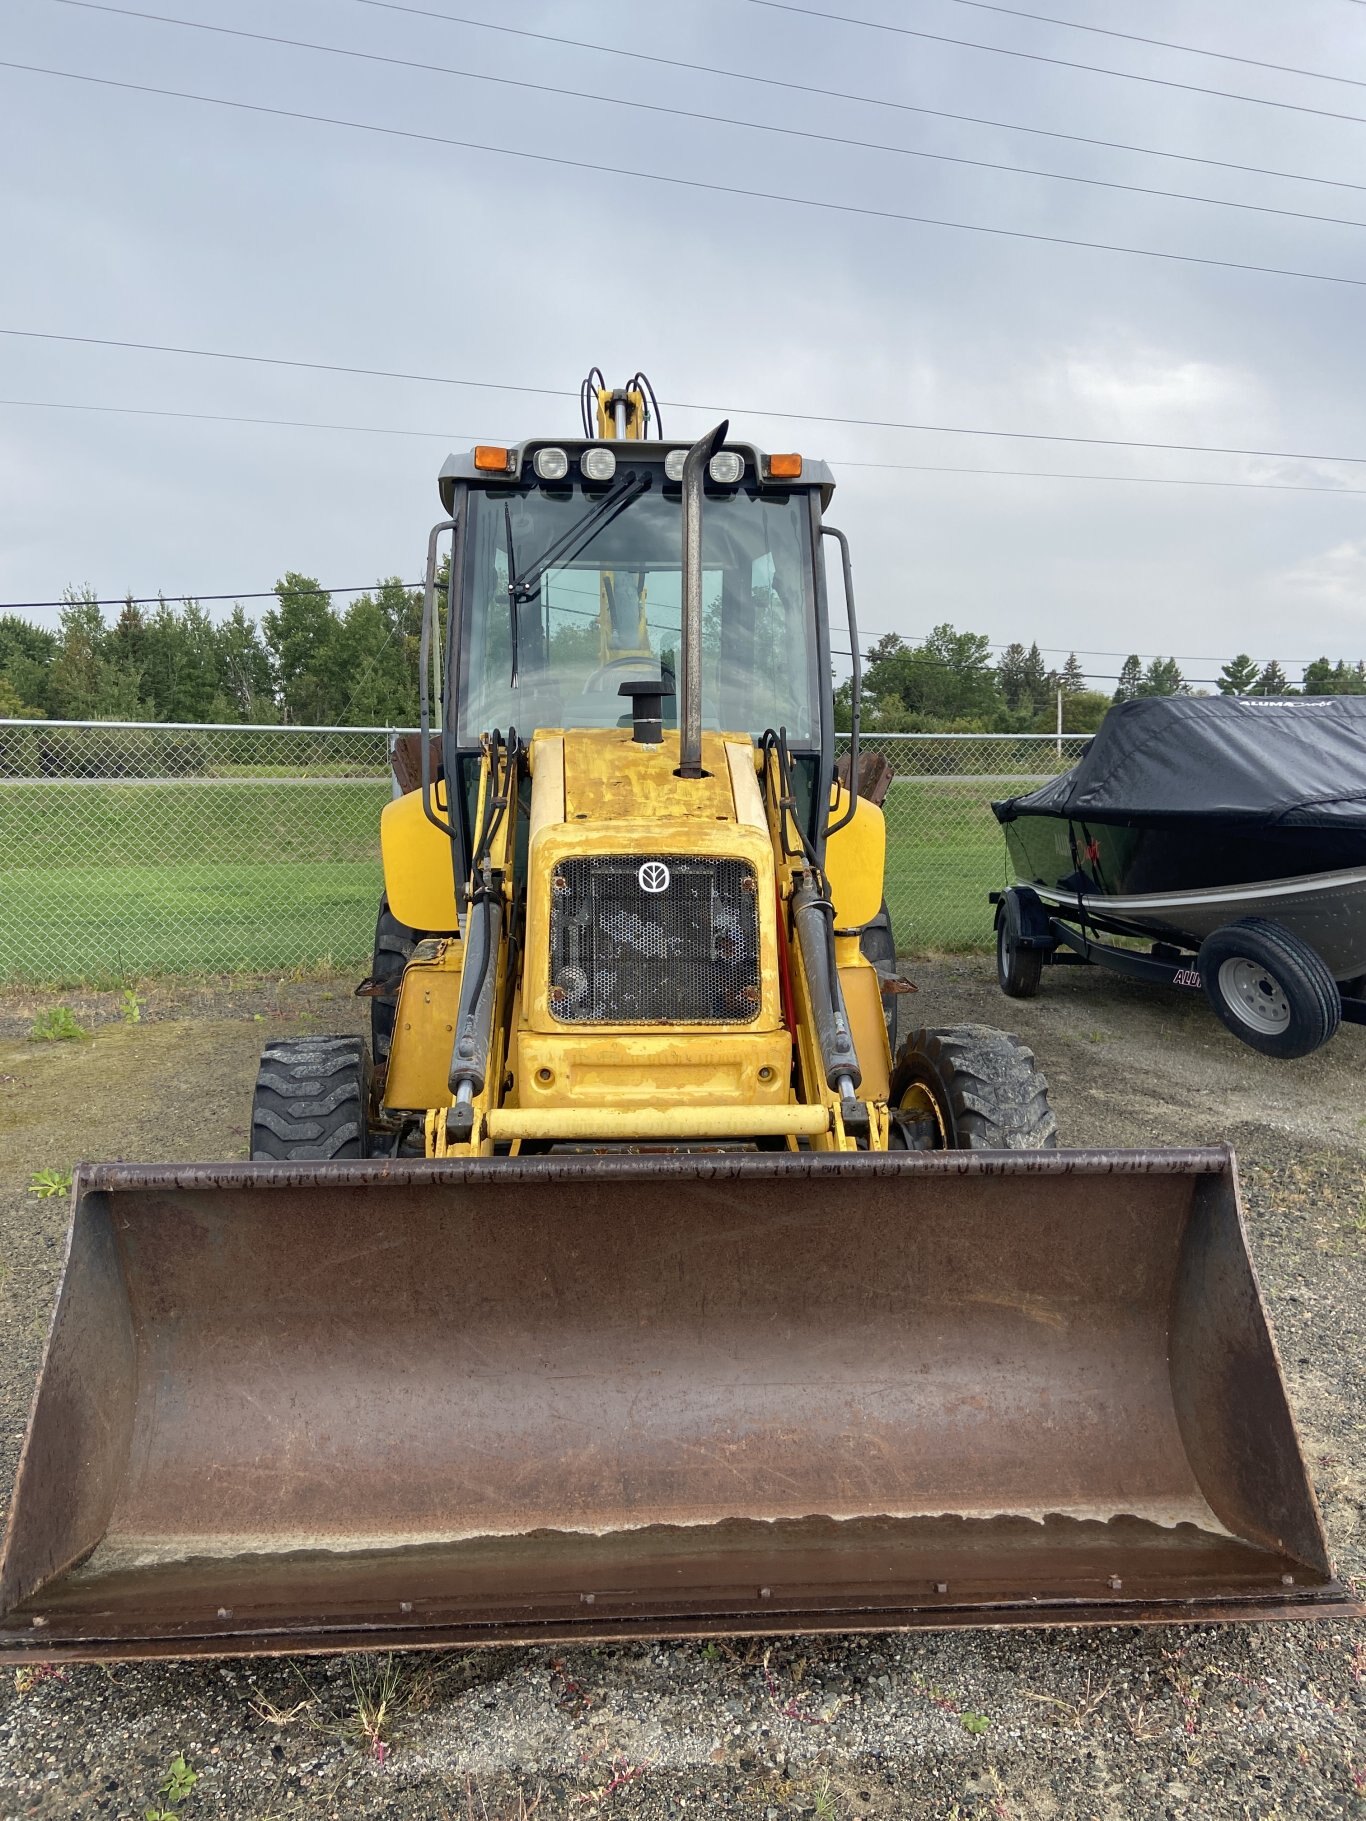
x=1060, y=722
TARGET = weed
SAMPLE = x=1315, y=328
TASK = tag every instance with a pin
x=58, y=1025
x=623, y=1772
x=711, y=1651
x=177, y=1784
x=29, y=1677
x=130, y=1006
x=974, y=1723
x=1075, y=1713
x=825, y=1808
x=384, y=1693
x=1140, y=1725
x=46, y=1183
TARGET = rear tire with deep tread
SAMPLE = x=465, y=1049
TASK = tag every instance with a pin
x=1290, y=1004
x=967, y=1087
x=312, y=1100
x=394, y=945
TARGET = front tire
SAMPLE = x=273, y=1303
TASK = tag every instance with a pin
x=312, y=1100
x=970, y=1088
x=1272, y=990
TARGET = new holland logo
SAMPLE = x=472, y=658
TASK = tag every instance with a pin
x=653, y=876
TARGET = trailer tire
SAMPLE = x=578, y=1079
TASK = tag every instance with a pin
x=878, y=943
x=312, y=1100
x=394, y=945
x=1269, y=988
x=1018, y=970
x=969, y=1088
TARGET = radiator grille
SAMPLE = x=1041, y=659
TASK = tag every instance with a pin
x=654, y=939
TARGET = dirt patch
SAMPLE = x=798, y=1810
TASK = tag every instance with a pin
x=1231, y=1721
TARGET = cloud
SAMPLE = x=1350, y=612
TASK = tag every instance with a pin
x=1336, y=577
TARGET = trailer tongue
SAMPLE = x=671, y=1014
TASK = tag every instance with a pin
x=311, y=1407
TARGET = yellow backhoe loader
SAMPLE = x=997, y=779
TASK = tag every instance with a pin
x=636, y=1279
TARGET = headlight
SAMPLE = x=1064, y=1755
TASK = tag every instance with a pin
x=673, y=464
x=726, y=468
x=550, y=464
x=598, y=464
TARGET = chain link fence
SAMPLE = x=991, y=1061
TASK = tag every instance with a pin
x=130, y=849
x=945, y=849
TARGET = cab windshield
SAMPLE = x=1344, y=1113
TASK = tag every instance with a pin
x=567, y=595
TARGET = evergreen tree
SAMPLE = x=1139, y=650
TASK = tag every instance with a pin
x=1341, y=679
x=1163, y=678
x=301, y=636
x=1273, y=681
x=85, y=683
x=1238, y=676
x=1038, y=690
x=1130, y=680
x=244, y=683
x=1072, y=678
x=1010, y=677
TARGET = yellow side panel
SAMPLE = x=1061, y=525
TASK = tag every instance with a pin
x=863, y=1002
x=418, y=875
x=424, y=1031
x=855, y=859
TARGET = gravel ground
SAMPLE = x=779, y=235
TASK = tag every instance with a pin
x=1211, y=1721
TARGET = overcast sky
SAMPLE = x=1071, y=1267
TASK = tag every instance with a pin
x=141, y=217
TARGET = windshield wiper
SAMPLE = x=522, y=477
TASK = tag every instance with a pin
x=567, y=546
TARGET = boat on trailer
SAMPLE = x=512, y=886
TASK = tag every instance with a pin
x=1226, y=832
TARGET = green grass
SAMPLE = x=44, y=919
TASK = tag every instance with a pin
x=104, y=883
x=109, y=881
x=945, y=852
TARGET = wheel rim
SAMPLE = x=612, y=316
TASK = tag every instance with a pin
x=1254, y=996
x=922, y=1119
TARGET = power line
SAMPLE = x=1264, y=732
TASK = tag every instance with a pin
x=1066, y=63
x=680, y=404
x=280, y=423
x=806, y=88
x=155, y=600
x=1165, y=44
x=696, y=183
x=680, y=113
x=455, y=436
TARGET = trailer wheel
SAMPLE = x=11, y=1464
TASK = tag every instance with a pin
x=1018, y=970
x=312, y=1100
x=1273, y=991
x=394, y=945
x=969, y=1088
x=878, y=944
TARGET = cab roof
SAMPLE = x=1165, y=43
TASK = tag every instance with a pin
x=461, y=467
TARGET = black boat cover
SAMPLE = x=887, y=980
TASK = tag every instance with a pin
x=1287, y=760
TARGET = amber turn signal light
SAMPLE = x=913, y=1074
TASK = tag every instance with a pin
x=785, y=467
x=491, y=458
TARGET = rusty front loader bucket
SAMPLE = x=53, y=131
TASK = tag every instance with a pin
x=290, y=1407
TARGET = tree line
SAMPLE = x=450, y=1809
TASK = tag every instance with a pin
x=305, y=661
x=309, y=661
x=950, y=683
